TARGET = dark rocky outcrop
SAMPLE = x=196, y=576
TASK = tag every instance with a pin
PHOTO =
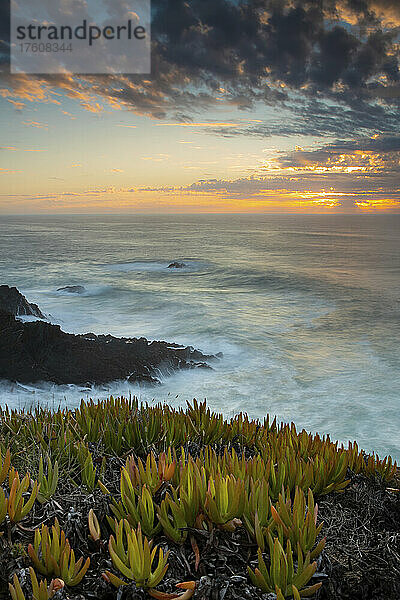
x=176, y=265
x=38, y=351
x=72, y=289
x=14, y=303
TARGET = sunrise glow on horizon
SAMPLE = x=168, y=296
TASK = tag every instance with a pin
x=314, y=131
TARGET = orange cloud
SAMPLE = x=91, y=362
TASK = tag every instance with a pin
x=68, y=114
x=156, y=157
x=93, y=107
x=16, y=104
x=173, y=199
x=387, y=12
x=28, y=88
x=8, y=171
x=36, y=124
x=15, y=149
x=34, y=89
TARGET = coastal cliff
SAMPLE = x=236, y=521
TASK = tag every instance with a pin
x=39, y=351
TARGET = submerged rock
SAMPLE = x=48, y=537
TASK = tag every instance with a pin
x=39, y=351
x=176, y=265
x=14, y=303
x=72, y=289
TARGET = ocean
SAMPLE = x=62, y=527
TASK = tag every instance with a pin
x=306, y=310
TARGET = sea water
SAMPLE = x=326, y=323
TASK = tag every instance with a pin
x=306, y=310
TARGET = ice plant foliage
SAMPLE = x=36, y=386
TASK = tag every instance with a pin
x=189, y=586
x=48, y=485
x=224, y=500
x=133, y=556
x=40, y=591
x=136, y=509
x=94, y=526
x=151, y=473
x=172, y=519
x=296, y=524
x=17, y=508
x=16, y=505
x=282, y=577
x=89, y=473
x=51, y=554
x=4, y=465
x=259, y=475
x=257, y=507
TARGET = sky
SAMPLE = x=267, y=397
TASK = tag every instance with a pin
x=270, y=106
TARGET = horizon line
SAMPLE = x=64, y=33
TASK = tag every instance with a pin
x=199, y=214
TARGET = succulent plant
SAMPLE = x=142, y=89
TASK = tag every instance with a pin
x=48, y=484
x=225, y=500
x=94, y=526
x=151, y=474
x=172, y=518
x=298, y=523
x=40, y=591
x=17, y=508
x=51, y=554
x=4, y=465
x=133, y=556
x=281, y=574
x=135, y=509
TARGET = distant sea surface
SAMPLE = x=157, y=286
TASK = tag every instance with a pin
x=306, y=310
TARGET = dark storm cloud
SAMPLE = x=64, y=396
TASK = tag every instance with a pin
x=295, y=53
x=371, y=10
x=321, y=118
x=297, y=43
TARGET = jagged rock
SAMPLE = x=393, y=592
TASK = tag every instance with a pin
x=38, y=351
x=14, y=303
x=72, y=289
x=176, y=265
